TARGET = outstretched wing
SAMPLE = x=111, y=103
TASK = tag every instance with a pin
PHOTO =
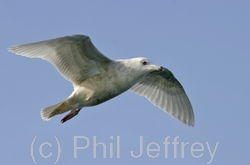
x=75, y=57
x=164, y=90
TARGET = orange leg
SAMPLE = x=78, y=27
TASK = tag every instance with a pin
x=72, y=113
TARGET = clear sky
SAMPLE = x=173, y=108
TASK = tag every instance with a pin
x=204, y=43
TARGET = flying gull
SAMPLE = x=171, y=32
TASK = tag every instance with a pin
x=96, y=78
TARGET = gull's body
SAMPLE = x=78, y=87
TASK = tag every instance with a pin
x=97, y=78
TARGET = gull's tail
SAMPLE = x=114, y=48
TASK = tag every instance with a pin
x=59, y=108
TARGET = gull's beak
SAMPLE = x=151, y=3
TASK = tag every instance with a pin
x=157, y=68
x=160, y=68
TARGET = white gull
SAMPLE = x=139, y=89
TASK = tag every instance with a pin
x=97, y=78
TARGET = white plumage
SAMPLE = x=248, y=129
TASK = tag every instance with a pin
x=97, y=78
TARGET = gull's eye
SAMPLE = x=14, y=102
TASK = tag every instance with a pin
x=144, y=62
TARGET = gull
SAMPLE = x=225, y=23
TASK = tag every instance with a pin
x=97, y=79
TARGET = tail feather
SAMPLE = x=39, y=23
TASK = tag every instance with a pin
x=59, y=108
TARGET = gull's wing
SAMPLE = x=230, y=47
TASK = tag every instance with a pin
x=164, y=90
x=75, y=57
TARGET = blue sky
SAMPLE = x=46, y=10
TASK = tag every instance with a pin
x=204, y=43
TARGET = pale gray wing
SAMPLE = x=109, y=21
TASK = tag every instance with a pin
x=75, y=57
x=164, y=90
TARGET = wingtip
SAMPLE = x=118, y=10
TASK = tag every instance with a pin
x=190, y=124
x=10, y=49
x=13, y=49
x=189, y=121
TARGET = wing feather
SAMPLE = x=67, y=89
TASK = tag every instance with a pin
x=75, y=57
x=165, y=91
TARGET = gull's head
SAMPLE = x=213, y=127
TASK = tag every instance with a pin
x=145, y=64
x=141, y=65
x=136, y=68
